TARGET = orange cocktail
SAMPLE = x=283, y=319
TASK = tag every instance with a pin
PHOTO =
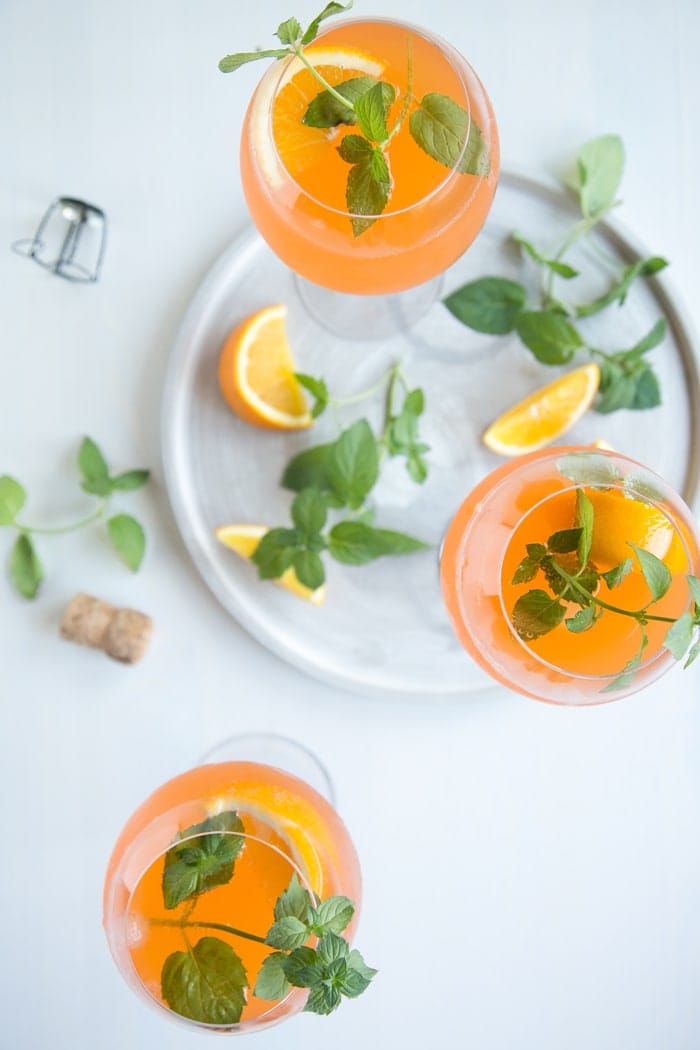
x=247, y=832
x=296, y=181
x=496, y=554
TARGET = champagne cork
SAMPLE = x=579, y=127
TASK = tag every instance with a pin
x=123, y=634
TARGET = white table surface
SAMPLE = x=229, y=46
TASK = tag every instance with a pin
x=531, y=873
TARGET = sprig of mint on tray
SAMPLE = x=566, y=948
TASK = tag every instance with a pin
x=547, y=325
x=340, y=475
x=439, y=126
x=572, y=579
x=124, y=531
x=207, y=981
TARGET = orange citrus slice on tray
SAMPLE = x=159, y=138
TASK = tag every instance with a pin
x=545, y=415
x=256, y=373
x=243, y=539
x=288, y=97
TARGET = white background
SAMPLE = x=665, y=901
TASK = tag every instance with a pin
x=531, y=873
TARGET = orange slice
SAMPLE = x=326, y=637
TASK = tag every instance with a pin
x=619, y=519
x=287, y=99
x=542, y=417
x=243, y=539
x=256, y=373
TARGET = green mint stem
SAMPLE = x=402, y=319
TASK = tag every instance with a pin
x=59, y=530
x=637, y=614
x=299, y=52
x=183, y=924
x=579, y=229
x=353, y=398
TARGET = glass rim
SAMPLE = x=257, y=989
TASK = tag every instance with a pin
x=654, y=658
x=268, y=1016
x=447, y=50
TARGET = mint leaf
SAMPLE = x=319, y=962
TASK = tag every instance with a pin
x=647, y=393
x=287, y=932
x=309, y=470
x=271, y=982
x=617, y=293
x=301, y=968
x=355, y=543
x=651, y=340
x=581, y=620
x=692, y=654
x=402, y=435
x=353, y=149
x=439, y=127
x=12, y=499
x=628, y=671
x=550, y=336
x=584, y=521
x=206, y=984
x=617, y=389
x=330, y=949
x=589, y=468
x=489, y=304
x=309, y=512
x=293, y=901
x=614, y=577
x=25, y=568
x=529, y=566
x=309, y=568
x=564, y=541
x=288, y=32
x=367, y=191
x=323, y=1000
x=371, y=113
x=600, y=165
x=555, y=265
x=275, y=552
x=536, y=613
x=199, y=864
x=129, y=480
x=94, y=469
x=359, y=966
x=329, y=9
x=656, y=574
x=128, y=539
x=325, y=111
x=231, y=62
x=318, y=390
x=694, y=588
x=352, y=465
x=680, y=635
x=332, y=916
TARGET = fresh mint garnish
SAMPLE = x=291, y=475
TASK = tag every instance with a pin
x=437, y=124
x=341, y=474
x=573, y=580
x=203, y=861
x=547, y=326
x=207, y=981
x=125, y=533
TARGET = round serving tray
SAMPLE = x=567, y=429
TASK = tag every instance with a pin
x=382, y=628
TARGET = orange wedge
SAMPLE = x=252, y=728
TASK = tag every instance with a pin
x=256, y=373
x=618, y=518
x=243, y=539
x=299, y=146
x=545, y=415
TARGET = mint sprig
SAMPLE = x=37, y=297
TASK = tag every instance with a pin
x=573, y=579
x=437, y=124
x=207, y=981
x=340, y=475
x=125, y=533
x=548, y=325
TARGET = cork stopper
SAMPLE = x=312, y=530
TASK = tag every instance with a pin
x=123, y=634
